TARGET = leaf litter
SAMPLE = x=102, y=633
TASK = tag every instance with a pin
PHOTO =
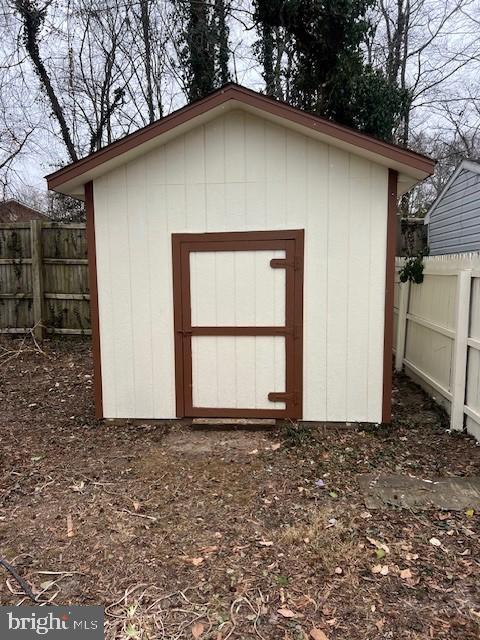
x=225, y=544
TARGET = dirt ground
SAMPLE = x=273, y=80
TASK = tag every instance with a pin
x=216, y=535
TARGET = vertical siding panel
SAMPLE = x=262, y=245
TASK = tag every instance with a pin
x=234, y=146
x=276, y=176
x=244, y=368
x=255, y=191
x=195, y=180
x=337, y=303
x=235, y=171
x=194, y=156
x=205, y=374
x=215, y=174
x=376, y=290
x=316, y=283
x=234, y=214
x=215, y=151
x=225, y=372
x=296, y=179
x=224, y=283
x=245, y=311
x=359, y=283
x=175, y=184
x=121, y=299
x=175, y=161
x=195, y=208
x=140, y=288
x=155, y=162
x=254, y=149
x=105, y=297
x=161, y=302
x=215, y=198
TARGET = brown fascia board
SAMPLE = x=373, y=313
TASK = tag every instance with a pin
x=253, y=99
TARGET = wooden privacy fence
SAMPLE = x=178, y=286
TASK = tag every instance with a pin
x=437, y=335
x=43, y=278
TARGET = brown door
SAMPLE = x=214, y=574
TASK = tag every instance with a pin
x=238, y=302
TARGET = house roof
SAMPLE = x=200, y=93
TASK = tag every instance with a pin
x=468, y=165
x=411, y=166
x=13, y=210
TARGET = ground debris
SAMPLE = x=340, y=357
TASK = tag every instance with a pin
x=180, y=533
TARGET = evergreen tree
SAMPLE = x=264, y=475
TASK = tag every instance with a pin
x=204, y=52
x=327, y=74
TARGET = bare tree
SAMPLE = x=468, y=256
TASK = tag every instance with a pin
x=414, y=41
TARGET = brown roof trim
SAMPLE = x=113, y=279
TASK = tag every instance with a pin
x=253, y=99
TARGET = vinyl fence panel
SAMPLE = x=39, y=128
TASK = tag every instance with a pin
x=437, y=333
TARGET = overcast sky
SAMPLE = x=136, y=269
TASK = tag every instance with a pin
x=44, y=150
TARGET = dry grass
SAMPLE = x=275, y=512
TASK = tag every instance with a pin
x=330, y=542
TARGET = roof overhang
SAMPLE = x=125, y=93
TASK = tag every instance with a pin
x=411, y=167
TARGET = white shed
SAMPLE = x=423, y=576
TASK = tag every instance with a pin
x=241, y=259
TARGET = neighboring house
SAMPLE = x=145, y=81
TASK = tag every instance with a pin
x=242, y=262
x=15, y=211
x=454, y=218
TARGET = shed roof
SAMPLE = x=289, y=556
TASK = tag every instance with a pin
x=71, y=179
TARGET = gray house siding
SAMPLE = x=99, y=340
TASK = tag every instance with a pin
x=454, y=225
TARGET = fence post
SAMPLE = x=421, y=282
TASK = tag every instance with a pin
x=37, y=276
x=462, y=319
x=403, y=302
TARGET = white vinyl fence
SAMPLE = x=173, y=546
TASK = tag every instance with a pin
x=437, y=335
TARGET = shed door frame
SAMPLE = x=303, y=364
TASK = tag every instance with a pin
x=293, y=244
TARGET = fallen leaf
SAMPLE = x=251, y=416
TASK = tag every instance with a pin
x=381, y=569
x=380, y=553
x=317, y=634
x=136, y=505
x=197, y=561
x=265, y=543
x=379, y=545
x=405, y=574
x=46, y=585
x=469, y=513
x=253, y=452
x=275, y=446
x=380, y=624
x=435, y=542
x=70, y=533
x=197, y=630
x=209, y=549
x=286, y=613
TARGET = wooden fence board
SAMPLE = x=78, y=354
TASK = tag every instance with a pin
x=50, y=282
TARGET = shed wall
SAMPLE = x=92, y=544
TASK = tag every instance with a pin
x=242, y=173
x=455, y=223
